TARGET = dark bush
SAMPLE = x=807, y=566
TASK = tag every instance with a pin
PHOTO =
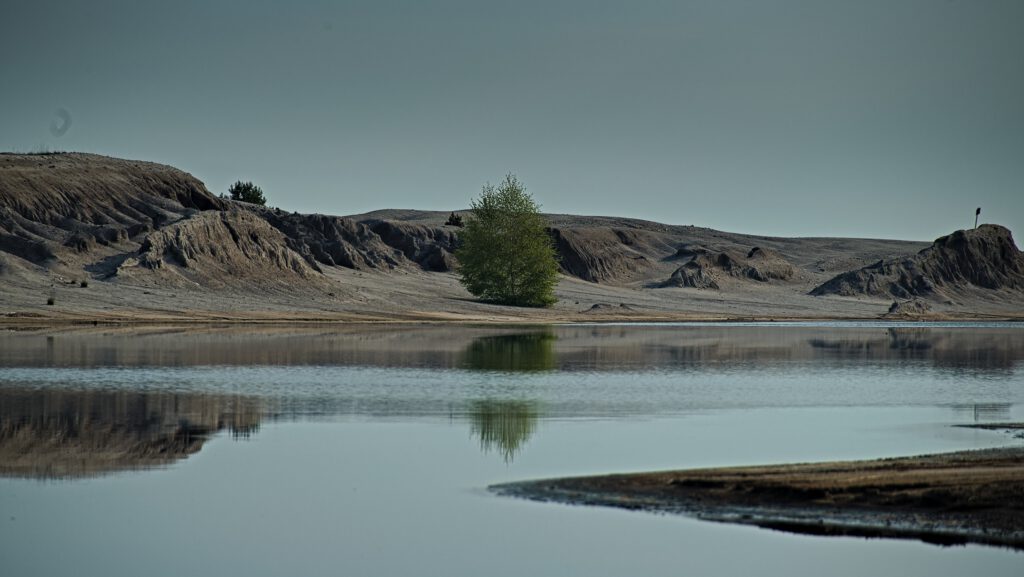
x=247, y=192
x=455, y=220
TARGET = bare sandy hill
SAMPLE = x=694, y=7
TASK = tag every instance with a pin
x=81, y=216
x=60, y=204
x=984, y=258
x=633, y=252
x=112, y=239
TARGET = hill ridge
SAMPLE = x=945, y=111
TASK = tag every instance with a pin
x=146, y=233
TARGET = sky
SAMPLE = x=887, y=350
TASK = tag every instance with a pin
x=866, y=118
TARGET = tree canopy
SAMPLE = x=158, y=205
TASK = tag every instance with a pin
x=505, y=254
x=247, y=192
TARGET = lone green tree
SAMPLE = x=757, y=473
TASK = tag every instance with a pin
x=247, y=192
x=505, y=255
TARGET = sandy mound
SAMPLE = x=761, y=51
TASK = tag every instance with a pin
x=985, y=258
x=698, y=272
x=909, y=309
x=607, y=254
x=430, y=247
x=764, y=264
x=605, y=309
x=83, y=215
x=59, y=203
x=219, y=249
x=379, y=244
x=706, y=269
x=11, y=268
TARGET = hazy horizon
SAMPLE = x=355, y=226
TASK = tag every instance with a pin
x=792, y=118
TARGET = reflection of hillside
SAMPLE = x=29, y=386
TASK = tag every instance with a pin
x=597, y=348
x=239, y=346
x=968, y=349
x=70, y=434
x=639, y=356
x=503, y=426
x=517, y=352
x=915, y=339
x=567, y=348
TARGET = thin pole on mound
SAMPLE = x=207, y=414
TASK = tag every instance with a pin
x=976, y=213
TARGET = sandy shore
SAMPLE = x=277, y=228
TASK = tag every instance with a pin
x=947, y=499
x=18, y=321
x=418, y=296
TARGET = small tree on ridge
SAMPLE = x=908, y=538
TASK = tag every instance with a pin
x=247, y=192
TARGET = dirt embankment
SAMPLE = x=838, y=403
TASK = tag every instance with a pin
x=954, y=498
x=706, y=269
x=145, y=241
x=638, y=254
x=58, y=205
x=84, y=216
x=982, y=258
x=218, y=249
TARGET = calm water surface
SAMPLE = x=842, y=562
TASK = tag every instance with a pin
x=367, y=451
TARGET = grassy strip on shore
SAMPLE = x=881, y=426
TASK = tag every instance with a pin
x=948, y=499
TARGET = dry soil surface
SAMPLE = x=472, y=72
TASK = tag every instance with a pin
x=953, y=498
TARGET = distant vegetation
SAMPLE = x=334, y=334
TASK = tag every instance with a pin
x=247, y=192
x=41, y=150
x=455, y=219
x=506, y=255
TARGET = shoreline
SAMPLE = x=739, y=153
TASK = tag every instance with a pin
x=21, y=320
x=944, y=499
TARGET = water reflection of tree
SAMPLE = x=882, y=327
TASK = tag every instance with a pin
x=532, y=351
x=984, y=411
x=987, y=351
x=503, y=426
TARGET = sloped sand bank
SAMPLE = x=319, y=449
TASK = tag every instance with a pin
x=946, y=499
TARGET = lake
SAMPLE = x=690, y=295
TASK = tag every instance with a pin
x=368, y=450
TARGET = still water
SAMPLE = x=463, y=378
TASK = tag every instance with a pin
x=367, y=451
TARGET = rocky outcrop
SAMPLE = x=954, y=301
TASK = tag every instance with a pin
x=698, y=272
x=985, y=257
x=705, y=269
x=366, y=245
x=429, y=247
x=120, y=220
x=332, y=240
x=220, y=249
x=911, y=308
x=765, y=265
x=606, y=254
x=79, y=201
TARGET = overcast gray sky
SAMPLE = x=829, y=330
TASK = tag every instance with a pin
x=889, y=118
